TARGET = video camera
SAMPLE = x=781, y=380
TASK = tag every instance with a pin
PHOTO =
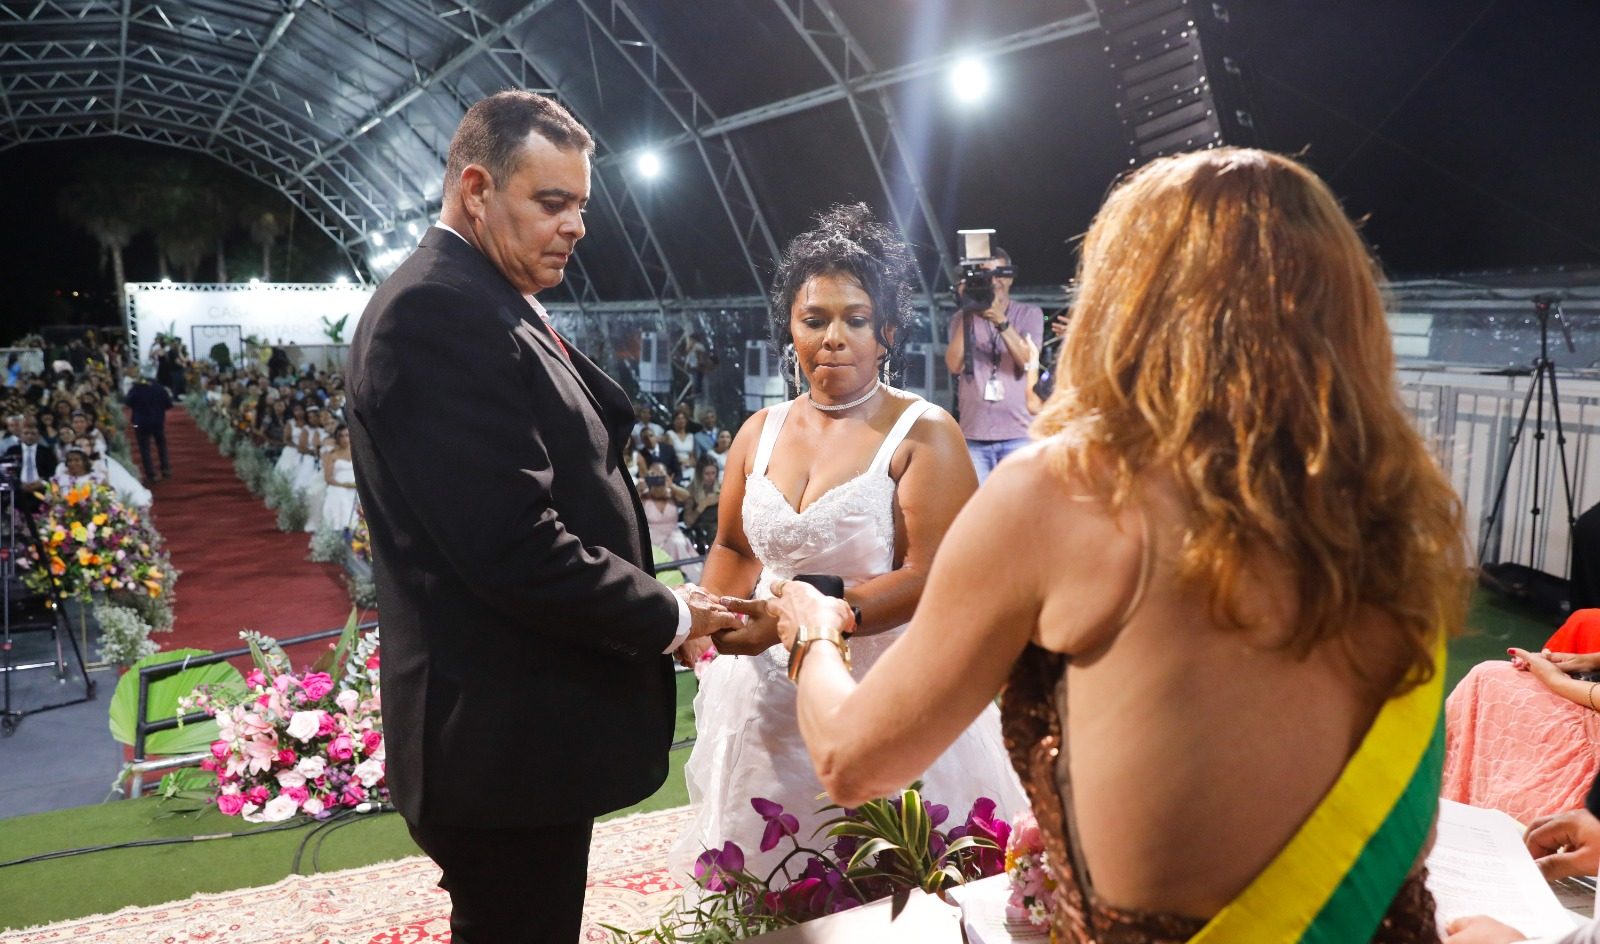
x=975, y=291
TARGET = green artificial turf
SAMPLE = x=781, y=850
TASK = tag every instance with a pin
x=98, y=882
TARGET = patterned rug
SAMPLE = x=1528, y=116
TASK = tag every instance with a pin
x=389, y=903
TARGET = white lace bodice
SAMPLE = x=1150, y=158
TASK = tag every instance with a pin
x=848, y=531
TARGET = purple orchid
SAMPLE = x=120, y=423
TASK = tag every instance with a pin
x=983, y=824
x=712, y=870
x=779, y=823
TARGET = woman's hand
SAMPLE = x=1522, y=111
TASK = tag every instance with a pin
x=757, y=635
x=1574, y=661
x=1480, y=930
x=691, y=651
x=800, y=604
x=1547, y=672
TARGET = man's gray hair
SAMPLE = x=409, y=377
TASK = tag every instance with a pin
x=494, y=131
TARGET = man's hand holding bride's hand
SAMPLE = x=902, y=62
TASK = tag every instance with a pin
x=800, y=604
x=707, y=615
x=758, y=633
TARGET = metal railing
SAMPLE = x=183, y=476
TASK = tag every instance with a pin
x=1468, y=420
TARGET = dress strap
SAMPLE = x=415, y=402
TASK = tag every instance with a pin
x=897, y=434
x=770, y=428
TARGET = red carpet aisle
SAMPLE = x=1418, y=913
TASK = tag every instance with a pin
x=238, y=570
x=390, y=903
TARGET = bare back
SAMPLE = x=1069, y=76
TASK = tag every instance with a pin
x=1194, y=752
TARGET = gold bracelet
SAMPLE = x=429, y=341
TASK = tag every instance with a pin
x=1591, y=696
x=803, y=639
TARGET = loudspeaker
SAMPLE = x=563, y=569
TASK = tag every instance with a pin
x=1175, y=93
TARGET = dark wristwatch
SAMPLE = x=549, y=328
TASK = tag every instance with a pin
x=1002, y=326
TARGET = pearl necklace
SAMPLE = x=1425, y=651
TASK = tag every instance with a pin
x=837, y=407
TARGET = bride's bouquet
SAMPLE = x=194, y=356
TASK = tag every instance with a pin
x=308, y=742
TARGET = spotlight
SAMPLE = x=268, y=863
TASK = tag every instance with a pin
x=412, y=229
x=970, y=80
x=341, y=280
x=377, y=240
x=649, y=165
x=255, y=282
x=166, y=280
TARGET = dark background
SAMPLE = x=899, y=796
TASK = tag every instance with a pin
x=1464, y=134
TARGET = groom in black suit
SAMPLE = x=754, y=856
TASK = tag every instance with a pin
x=527, y=684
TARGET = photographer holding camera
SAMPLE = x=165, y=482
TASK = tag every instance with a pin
x=994, y=344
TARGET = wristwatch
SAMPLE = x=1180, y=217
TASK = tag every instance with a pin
x=803, y=640
x=1002, y=326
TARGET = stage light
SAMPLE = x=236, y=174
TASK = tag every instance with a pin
x=341, y=280
x=412, y=229
x=255, y=282
x=970, y=80
x=166, y=280
x=649, y=165
x=377, y=240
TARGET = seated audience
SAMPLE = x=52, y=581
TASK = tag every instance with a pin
x=654, y=451
x=662, y=497
x=700, y=507
x=682, y=442
x=77, y=470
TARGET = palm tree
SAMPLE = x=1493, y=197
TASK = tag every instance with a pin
x=97, y=200
x=185, y=202
x=266, y=217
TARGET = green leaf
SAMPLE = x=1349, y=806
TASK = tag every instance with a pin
x=332, y=661
x=870, y=850
x=163, y=702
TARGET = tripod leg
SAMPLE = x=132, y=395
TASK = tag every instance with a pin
x=1561, y=448
x=1490, y=520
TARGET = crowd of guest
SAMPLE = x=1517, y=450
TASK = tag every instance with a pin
x=678, y=467
x=295, y=415
x=63, y=421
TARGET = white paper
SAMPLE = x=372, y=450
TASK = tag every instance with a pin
x=1479, y=866
x=983, y=914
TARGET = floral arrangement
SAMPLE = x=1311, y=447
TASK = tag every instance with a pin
x=124, y=635
x=298, y=743
x=1033, y=888
x=883, y=848
x=91, y=541
x=361, y=537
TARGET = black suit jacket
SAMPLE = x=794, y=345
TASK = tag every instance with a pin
x=43, y=456
x=523, y=675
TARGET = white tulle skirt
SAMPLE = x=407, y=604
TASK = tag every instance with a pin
x=749, y=745
x=127, y=485
x=338, y=507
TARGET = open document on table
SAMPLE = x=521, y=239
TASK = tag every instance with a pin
x=1479, y=866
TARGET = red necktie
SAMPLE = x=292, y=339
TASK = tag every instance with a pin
x=559, y=343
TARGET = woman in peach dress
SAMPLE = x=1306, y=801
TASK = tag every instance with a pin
x=1523, y=736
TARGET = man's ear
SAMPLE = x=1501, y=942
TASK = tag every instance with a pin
x=475, y=184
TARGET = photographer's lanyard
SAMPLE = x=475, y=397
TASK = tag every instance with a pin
x=995, y=390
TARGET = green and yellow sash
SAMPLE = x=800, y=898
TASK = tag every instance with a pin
x=1335, y=879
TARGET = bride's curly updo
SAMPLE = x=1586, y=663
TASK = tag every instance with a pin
x=847, y=240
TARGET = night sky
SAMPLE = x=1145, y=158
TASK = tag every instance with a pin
x=1467, y=134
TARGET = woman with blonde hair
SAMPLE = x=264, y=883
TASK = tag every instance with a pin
x=1222, y=673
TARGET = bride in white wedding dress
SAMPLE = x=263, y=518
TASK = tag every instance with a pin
x=854, y=479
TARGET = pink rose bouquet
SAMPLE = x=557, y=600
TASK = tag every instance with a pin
x=298, y=743
x=1033, y=889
